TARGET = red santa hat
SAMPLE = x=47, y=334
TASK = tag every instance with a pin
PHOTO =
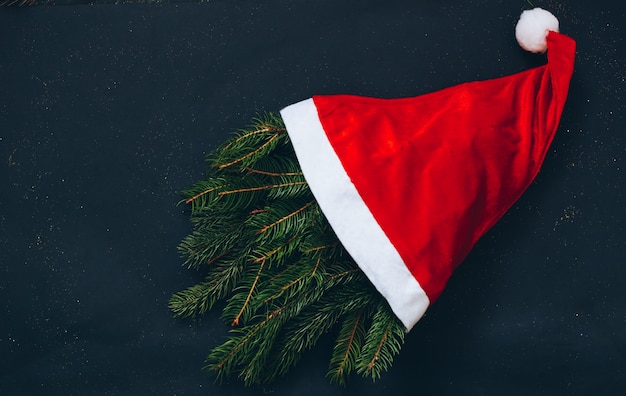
x=410, y=185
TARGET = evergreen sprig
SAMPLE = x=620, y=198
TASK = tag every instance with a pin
x=267, y=250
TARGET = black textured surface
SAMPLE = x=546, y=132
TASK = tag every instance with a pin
x=106, y=111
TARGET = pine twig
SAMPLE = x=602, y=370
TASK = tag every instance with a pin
x=347, y=347
x=245, y=304
x=274, y=258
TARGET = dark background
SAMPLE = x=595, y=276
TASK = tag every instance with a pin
x=106, y=111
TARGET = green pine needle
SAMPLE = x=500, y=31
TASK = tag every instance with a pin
x=348, y=346
x=384, y=339
x=194, y=300
x=265, y=247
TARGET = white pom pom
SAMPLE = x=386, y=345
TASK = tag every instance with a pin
x=532, y=29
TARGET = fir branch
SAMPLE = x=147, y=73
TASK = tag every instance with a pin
x=191, y=301
x=273, y=225
x=211, y=239
x=242, y=305
x=245, y=304
x=291, y=285
x=246, y=156
x=222, y=358
x=384, y=340
x=250, y=145
x=315, y=320
x=243, y=193
x=260, y=188
x=281, y=218
x=269, y=123
x=347, y=347
x=275, y=174
x=291, y=282
x=203, y=192
x=308, y=328
x=238, y=350
x=288, y=188
x=262, y=128
x=277, y=251
x=200, y=298
x=282, y=162
x=220, y=281
x=266, y=248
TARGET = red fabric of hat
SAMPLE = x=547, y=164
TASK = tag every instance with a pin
x=410, y=185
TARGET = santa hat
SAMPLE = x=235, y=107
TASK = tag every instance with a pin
x=410, y=185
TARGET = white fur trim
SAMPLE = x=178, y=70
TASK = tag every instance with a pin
x=349, y=217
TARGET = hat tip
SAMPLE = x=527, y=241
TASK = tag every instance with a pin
x=533, y=27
